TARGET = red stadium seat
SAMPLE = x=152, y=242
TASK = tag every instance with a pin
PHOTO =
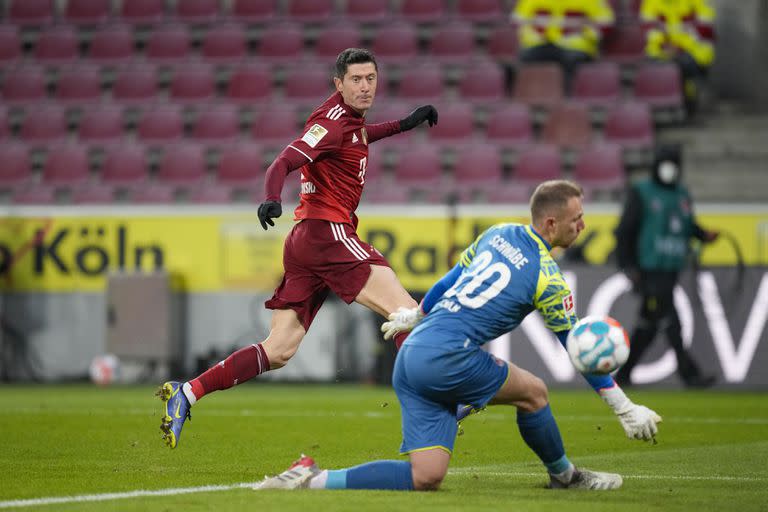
x=310, y=11
x=254, y=11
x=478, y=166
x=659, y=85
x=503, y=43
x=600, y=166
x=182, y=164
x=196, y=11
x=422, y=11
x=509, y=193
x=480, y=11
x=241, y=164
x=249, y=84
x=370, y=11
x=79, y=85
x=332, y=39
x=510, y=126
x=281, y=43
x=217, y=125
x=421, y=83
x=275, y=125
x=568, y=126
x=66, y=164
x=193, y=83
x=211, y=193
x=482, y=82
x=452, y=43
x=31, y=12
x=93, y=193
x=168, y=44
x=44, y=124
x=630, y=125
x=625, y=44
x=10, y=45
x=597, y=84
x=143, y=12
x=538, y=163
x=125, y=164
x=135, y=84
x=539, y=85
x=112, y=44
x=35, y=194
x=225, y=43
x=87, y=12
x=101, y=125
x=17, y=166
x=4, y=127
x=308, y=83
x=456, y=124
x=153, y=193
x=396, y=43
x=24, y=85
x=57, y=45
x=419, y=165
x=161, y=125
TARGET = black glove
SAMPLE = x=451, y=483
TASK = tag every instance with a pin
x=426, y=113
x=269, y=210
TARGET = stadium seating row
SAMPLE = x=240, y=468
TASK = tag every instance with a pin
x=539, y=85
x=395, y=43
x=476, y=170
x=509, y=125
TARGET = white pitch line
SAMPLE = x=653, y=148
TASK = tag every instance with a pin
x=471, y=471
x=83, y=498
x=460, y=472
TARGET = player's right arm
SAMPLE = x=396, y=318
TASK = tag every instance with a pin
x=317, y=139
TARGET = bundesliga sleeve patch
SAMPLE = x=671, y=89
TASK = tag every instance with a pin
x=568, y=304
x=314, y=135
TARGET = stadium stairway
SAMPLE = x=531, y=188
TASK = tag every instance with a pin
x=726, y=155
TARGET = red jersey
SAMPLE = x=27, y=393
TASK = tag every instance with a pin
x=335, y=141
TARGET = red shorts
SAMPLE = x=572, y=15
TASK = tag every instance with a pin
x=318, y=256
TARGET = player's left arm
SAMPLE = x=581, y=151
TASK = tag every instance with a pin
x=638, y=421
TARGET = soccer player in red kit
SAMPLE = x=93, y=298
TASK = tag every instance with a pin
x=322, y=252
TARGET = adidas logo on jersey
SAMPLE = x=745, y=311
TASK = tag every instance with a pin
x=354, y=138
x=335, y=112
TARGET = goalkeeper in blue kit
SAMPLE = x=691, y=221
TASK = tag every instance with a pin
x=503, y=276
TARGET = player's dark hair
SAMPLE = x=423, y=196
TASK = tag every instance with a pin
x=552, y=196
x=352, y=56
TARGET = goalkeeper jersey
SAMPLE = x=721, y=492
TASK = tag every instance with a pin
x=505, y=274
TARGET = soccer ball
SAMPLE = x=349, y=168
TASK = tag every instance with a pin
x=104, y=369
x=598, y=345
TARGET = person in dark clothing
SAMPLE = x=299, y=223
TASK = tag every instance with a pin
x=653, y=237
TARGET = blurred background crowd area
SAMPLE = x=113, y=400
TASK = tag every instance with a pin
x=188, y=101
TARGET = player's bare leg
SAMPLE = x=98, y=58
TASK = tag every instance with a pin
x=383, y=292
x=429, y=468
x=285, y=335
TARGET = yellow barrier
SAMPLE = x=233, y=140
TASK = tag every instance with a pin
x=230, y=251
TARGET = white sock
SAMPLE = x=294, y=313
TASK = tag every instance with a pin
x=318, y=481
x=566, y=476
x=187, y=390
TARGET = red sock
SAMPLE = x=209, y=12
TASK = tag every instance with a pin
x=400, y=339
x=239, y=367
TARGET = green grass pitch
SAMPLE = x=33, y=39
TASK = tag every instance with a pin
x=80, y=440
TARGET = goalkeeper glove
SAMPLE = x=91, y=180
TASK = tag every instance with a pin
x=638, y=421
x=269, y=210
x=426, y=113
x=404, y=319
